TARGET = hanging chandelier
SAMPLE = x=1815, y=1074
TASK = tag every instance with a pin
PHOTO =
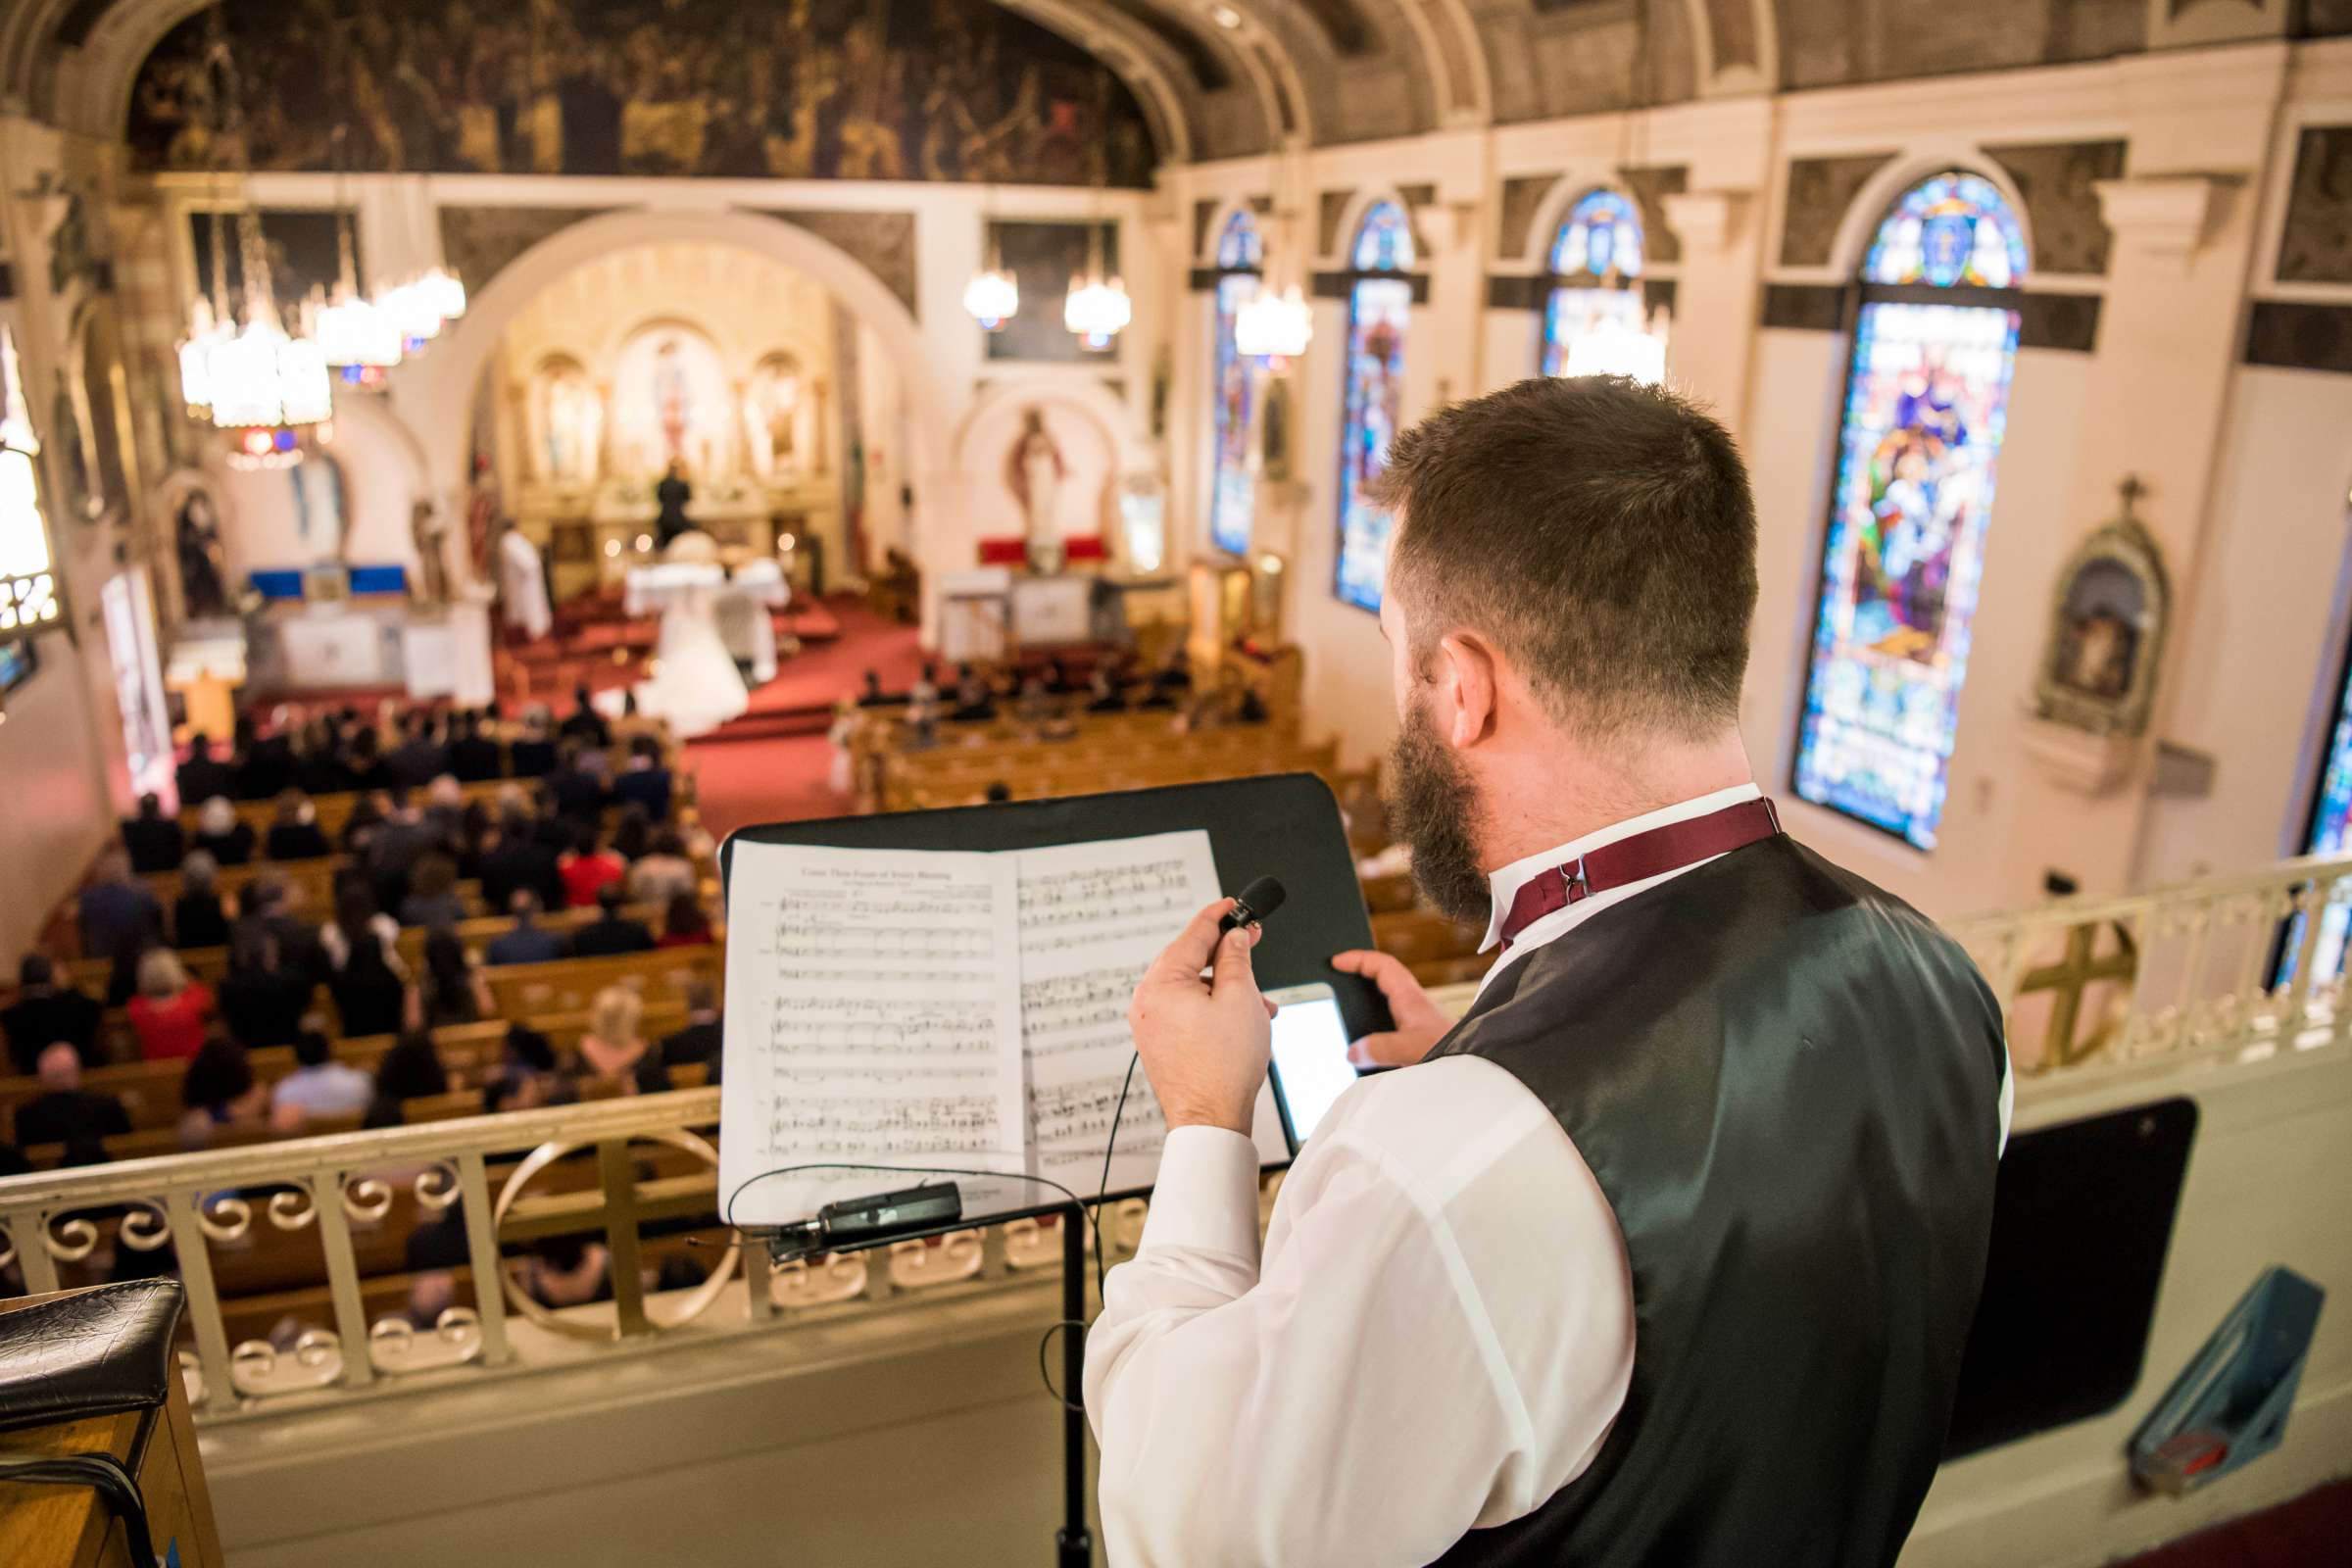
x=253, y=374
x=358, y=336
x=1097, y=309
x=1274, y=326
x=1618, y=342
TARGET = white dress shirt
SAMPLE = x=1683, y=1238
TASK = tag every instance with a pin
x=1439, y=1335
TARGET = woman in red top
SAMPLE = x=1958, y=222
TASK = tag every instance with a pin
x=170, y=1010
x=589, y=870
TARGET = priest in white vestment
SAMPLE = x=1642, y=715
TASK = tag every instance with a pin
x=522, y=586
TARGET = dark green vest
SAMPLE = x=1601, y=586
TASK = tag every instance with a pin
x=1786, y=1083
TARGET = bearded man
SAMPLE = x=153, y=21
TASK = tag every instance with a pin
x=1667, y=1251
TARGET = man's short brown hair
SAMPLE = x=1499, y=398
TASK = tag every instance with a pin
x=1600, y=532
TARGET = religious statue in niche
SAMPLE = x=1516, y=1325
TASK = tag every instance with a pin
x=2107, y=626
x=672, y=399
x=772, y=412
x=70, y=441
x=317, y=481
x=1275, y=430
x=1034, y=471
x=572, y=413
x=429, y=531
x=203, y=584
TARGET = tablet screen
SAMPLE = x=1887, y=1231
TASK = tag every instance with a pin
x=1311, y=1069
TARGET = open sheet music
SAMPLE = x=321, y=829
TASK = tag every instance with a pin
x=945, y=1008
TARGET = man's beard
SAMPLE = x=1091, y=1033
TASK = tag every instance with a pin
x=1434, y=808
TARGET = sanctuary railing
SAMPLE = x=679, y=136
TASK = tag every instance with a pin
x=309, y=1277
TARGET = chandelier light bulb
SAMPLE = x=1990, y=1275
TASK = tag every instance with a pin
x=1097, y=309
x=991, y=298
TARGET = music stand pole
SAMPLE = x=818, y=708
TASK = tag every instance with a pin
x=1076, y=1541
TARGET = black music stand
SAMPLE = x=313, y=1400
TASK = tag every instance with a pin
x=1285, y=826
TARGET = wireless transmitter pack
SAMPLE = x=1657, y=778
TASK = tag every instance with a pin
x=859, y=1222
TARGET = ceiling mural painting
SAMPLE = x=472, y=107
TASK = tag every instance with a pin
x=851, y=89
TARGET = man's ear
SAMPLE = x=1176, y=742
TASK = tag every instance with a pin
x=1467, y=682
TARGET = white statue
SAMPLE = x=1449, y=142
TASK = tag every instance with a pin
x=1035, y=474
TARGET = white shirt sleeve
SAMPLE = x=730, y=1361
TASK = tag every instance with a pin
x=1403, y=1368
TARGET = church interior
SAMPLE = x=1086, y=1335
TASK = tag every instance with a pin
x=458, y=465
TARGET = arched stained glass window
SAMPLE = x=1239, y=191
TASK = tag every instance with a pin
x=1927, y=396
x=2330, y=832
x=1380, y=302
x=1232, y=501
x=1595, y=256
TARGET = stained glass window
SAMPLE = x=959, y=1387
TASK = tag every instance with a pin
x=2329, y=833
x=1232, y=499
x=1927, y=394
x=1380, y=302
x=1597, y=251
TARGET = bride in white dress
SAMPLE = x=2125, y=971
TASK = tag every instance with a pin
x=694, y=686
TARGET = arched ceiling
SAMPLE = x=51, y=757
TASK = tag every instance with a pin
x=1216, y=78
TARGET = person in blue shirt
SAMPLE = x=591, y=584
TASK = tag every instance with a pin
x=528, y=942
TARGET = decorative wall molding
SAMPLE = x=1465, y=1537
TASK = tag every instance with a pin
x=1706, y=221
x=1339, y=285
x=2058, y=182
x=2316, y=246
x=1821, y=190
x=1650, y=188
x=881, y=242
x=2164, y=214
x=481, y=241
x=1522, y=197
x=2069, y=322
x=2300, y=337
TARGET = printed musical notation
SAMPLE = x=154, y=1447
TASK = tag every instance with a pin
x=872, y=1018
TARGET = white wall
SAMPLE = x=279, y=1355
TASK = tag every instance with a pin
x=261, y=529
x=2262, y=621
x=59, y=812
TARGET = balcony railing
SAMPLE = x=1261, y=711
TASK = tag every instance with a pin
x=306, y=1278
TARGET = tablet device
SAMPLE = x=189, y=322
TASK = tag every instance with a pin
x=1311, y=1065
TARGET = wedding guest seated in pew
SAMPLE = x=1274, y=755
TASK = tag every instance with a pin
x=422, y=755
x=154, y=842
x=200, y=777
x=411, y=1070
x=364, y=763
x=472, y=754
x=360, y=827
x=398, y=843
x=632, y=835
x=527, y=941
x=590, y=868
x=46, y=1013
x=198, y=918
x=645, y=781
x=663, y=871
x=294, y=832
x=871, y=693
x=568, y=1272
x=974, y=701
x=270, y=908
x=452, y=990
x=685, y=923
x=613, y=1050
x=585, y=724
x=579, y=784
x=223, y=834
x=1106, y=697
x=265, y=764
x=364, y=972
x=318, y=765
x=517, y=861
x=114, y=911
x=65, y=1113
x=444, y=814
x=219, y=1091
x=263, y=998
x=170, y=1013
x=533, y=755
x=699, y=1042
x=610, y=933
x=432, y=899
x=319, y=1084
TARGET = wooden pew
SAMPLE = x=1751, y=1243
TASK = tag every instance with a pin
x=1438, y=951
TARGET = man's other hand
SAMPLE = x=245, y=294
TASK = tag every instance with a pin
x=1420, y=1022
x=1205, y=1043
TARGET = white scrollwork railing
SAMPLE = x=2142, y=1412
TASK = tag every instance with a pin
x=332, y=1267
x=307, y=1273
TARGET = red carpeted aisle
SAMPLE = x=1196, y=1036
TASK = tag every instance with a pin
x=770, y=766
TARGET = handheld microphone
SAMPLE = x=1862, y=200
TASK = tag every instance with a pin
x=1253, y=903
x=857, y=1223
